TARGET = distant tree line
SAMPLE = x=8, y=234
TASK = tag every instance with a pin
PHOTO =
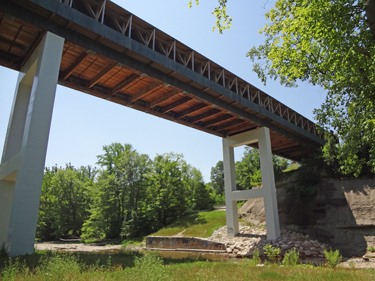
x=131, y=195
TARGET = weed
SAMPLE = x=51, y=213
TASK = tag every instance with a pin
x=240, y=203
x=136, y=241
x=291, y=258
x=256, y=257
x=109, y=262
x=57, y=266
x=352, y=265
x=13, y=269
x=152, y=267
x=249, y=223
x=333, y=258
x=272, y=253
x=371, y=249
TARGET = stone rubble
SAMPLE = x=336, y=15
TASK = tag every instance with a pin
x=254, y=237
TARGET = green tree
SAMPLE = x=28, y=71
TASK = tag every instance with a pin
x=248, y=173
x=217, y=177
x=116, y=196
x=201, y=196
x=279, y=165
x=167, y=197
x=64, y=201
x=330, y=44
x=248, y=169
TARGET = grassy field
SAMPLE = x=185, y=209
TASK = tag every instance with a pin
x=195, y=225
x=135, y=266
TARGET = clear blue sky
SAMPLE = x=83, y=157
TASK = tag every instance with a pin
x=82, y=124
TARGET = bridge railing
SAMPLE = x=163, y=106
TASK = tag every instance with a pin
x=115, y=17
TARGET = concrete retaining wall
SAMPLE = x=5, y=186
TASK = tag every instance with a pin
x=182, y=243
x=341, y=215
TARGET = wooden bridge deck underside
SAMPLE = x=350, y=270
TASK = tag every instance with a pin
x=111, y=54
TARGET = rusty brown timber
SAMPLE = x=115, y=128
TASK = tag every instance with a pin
x=112, y=54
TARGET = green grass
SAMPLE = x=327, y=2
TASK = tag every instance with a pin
x=135, y=266
x=291, y=168
x=197, y=224
x=135, y=241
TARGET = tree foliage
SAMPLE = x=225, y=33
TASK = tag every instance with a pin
x=202, y=197
x=116, y=195
x=64, y=201
x=217, y=177
x=327, y=43
x=223, y=20
x=248, y=173
x=130, y=196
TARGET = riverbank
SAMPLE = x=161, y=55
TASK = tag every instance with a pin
x=241, y=246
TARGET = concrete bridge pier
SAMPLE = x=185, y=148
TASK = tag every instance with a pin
x=268, y=191
x=23, y=159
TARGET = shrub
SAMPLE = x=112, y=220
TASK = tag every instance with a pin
x=271, y=252
x=333, y=258
x=371, y=249
x=291, y=258
x=152, y=267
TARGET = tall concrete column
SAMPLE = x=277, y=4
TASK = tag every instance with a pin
x=25, y=146
x=268, y=190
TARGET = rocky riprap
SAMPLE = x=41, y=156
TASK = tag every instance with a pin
x=254, y=237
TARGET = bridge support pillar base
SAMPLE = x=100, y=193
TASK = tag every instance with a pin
x=268, y=191
x=25, y=146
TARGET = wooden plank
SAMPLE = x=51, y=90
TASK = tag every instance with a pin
x=218, y=120
x=229, y=124
x=163, y=98
x=205, y=115
x=145, y=91
x=123, y=83
x=38, y=37
x=175, y=104
x=285, y=145
x=75, y=64
x=243, y=127
x=104, y=71
x=190, y=110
